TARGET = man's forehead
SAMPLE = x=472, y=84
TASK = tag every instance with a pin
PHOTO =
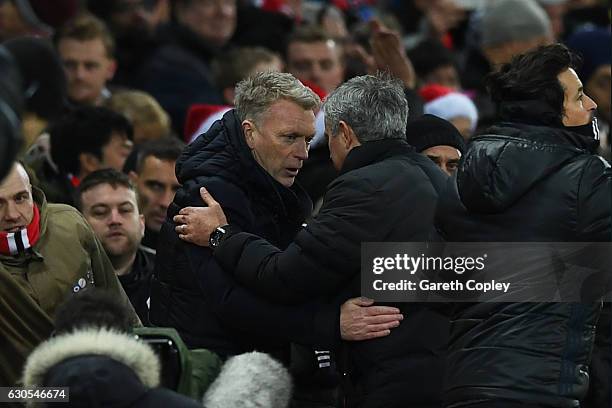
x=17, y=181
x=299, y=49
x=288, y=117
x=569, y=80
x=106, y=194
x=152, y=166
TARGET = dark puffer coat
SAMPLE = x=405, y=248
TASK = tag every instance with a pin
x=519, y=183
x=191, y=293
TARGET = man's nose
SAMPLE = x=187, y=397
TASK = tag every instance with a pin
x=79, y=71
x=11, y=213
x=301, y=151
x=167, y=198
x=115, y=217
x=590, y=103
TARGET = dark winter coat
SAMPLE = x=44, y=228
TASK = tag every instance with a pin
x=190, y=291
x=137, y=283
x=385, y=192
x=520, y=183
x=178, y=74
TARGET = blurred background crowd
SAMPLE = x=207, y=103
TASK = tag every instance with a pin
x=127, y=84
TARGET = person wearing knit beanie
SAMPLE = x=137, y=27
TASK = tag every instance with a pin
x=437, y=139
x=511, y=27
x=454, y=107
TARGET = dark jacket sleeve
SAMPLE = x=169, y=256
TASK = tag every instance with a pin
x=324, y=255
x=240, y=309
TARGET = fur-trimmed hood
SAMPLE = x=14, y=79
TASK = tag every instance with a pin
x=102, y=359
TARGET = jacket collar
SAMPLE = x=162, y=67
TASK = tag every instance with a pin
x=374, y=151
x=224, y=152
x=545, y=134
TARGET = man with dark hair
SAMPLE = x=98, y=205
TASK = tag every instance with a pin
x=156, y=183
x=87, y=50
x=107, y=199
x=435, y=64
x=197, y=32
x=85, y=140
x=91, y=308
x=47, y=253
x=532, y=177
x=134, y=25
x=315, y=57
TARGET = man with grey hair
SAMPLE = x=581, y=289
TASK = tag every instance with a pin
x=249, y=161
x=506, y=28
x=386, y=192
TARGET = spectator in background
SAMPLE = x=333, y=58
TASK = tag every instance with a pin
x=87, y=49
x=107, y=200
x=102, y=367
x=44, y=87
x=156, y=183
x=178, y=74
x=593, y=45
x=47, y=252
x=332, y=21
x=313, y=57
x=556, y=10
x=149, y=120
x=435, y=64
x=507, y=28
x=135, y=25
x=34, y=17
x=454, y=107
x=92, y=307
x=231, y=68
x=87, y=139
x=437, y=139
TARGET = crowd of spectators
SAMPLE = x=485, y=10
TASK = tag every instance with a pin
x=117, y=92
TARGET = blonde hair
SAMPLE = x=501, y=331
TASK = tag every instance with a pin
x=149, y=120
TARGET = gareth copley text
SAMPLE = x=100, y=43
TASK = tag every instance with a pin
x=452, y=286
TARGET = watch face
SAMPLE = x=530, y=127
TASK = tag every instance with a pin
x=215, y=237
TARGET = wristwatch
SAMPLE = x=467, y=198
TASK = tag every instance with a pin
x=217, y=236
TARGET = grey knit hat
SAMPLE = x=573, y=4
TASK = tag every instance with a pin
x=513, y=20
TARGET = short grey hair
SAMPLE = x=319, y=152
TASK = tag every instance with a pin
x=374, y=106
x=255, y=94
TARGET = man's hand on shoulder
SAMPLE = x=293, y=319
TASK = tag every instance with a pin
x=360, y=320
x=196, y=224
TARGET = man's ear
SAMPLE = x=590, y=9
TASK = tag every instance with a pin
x=88, y=163
x=112, y=68
x=141, y=221
x=248, y=129
x=348, y=136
